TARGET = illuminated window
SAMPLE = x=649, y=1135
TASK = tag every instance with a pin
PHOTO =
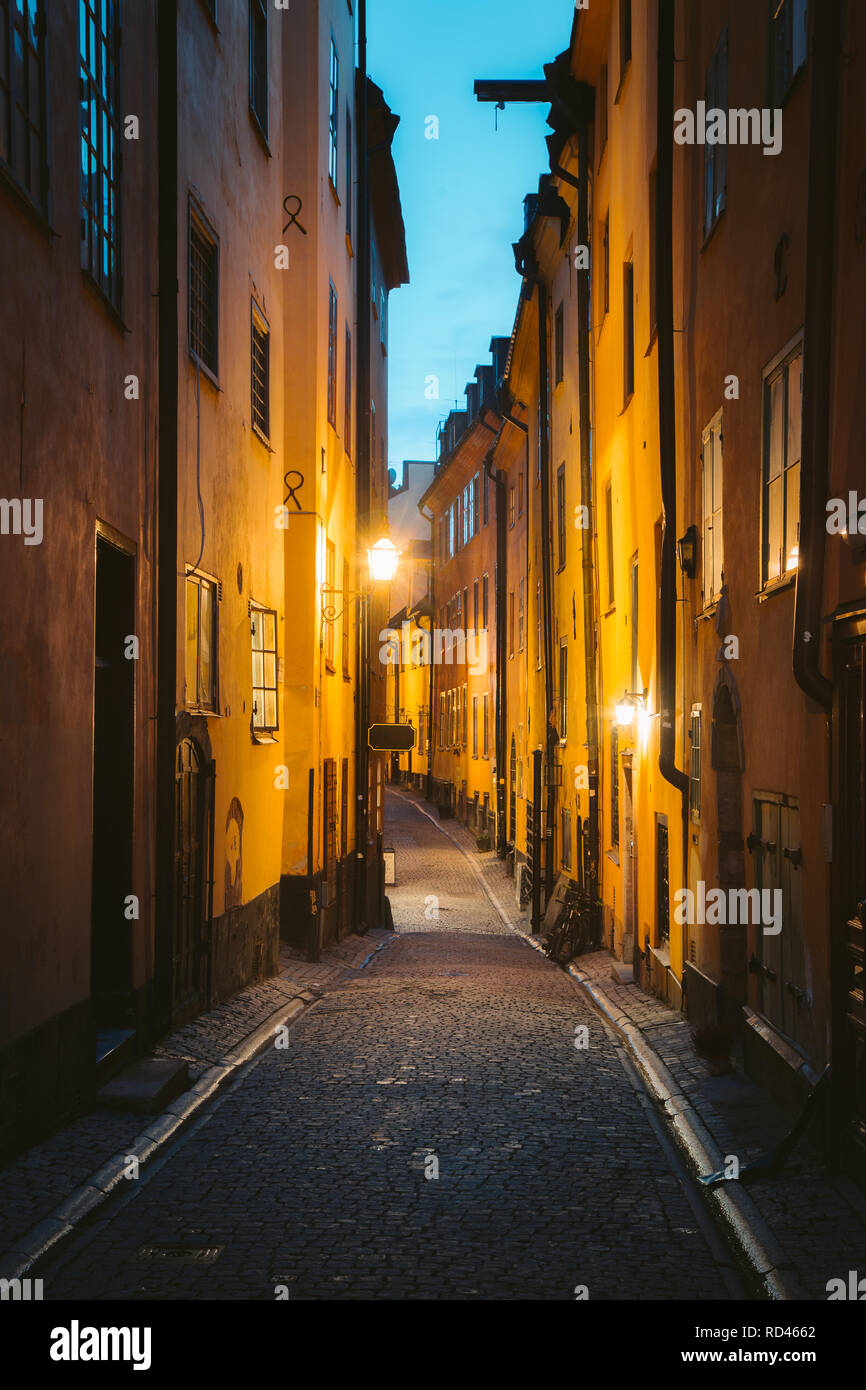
x=201, y=642
x=783, y=409
x=263, y=627
x=712, y=555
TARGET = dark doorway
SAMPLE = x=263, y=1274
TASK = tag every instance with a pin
x=663, y=919
x=727, y=761
x=112, y=911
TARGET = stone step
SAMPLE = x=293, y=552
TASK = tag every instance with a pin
x=147, y=1086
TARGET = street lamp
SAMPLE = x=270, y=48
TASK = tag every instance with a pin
x=382, y=558
x=625, y=709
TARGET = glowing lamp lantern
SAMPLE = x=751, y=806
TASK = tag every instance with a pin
x=625, y=712
x=383, y=557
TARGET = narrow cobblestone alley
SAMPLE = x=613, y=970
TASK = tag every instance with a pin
x=314, y=1170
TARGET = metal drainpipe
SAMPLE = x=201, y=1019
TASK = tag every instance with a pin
x=497, y=478
x=667, y=418
x=432, y=588
x=362, y=484
x=587, y=496
x=817, y=352
x=167, y=251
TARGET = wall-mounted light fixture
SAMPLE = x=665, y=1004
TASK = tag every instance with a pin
x=628, y=706
x=687, y=552
x=382, y=560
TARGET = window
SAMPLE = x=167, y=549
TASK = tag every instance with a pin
x=383, y=317
x=23, y=145
x=475, y=726
x=636, y=685
x=201, y=642
x=663, y=897
x=332, y=361
x=476, y=510
x=563, y=690
x=465, y=623
x=475, y=597
x=203, y=311
x=484, y=601
x=539, y=626
x=560, y=513
x=614, y=787
x=783, y=408
x=259, y=63
x=485, y=737
x=464, y=709
x=712, y=555
x=608, y=532
x=345, y=619
x=788, y=22
x=601, y=110
x=627, y=331
x=521, y=613
x=566, y=839
x=778, y=859
x=99, y=97
x=333, y=118
x=695, y=764
x=331, y=583
x=624, y=36
x=511, y=506
x=442, y=721
x=347, y=422
x=520, y=489
x=263, y=626
x=559, y=345
x=260, y=360
x=511, y=623
x=605, y=266
x=349, y=175
x=716, y=156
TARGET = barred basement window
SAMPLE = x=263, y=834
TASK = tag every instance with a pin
x=260, y=360
x=695, y=764
x=23, y=146
x=263, y=626
x=99, y=98
x=203, y=293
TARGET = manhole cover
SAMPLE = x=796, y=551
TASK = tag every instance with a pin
x=181, y=1254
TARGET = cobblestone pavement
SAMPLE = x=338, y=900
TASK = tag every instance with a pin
x=431, y=1131
x=35, y=1182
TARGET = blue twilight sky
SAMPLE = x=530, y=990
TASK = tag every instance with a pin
x=462, y=194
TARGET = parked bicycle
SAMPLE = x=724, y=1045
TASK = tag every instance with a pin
x=578, y=928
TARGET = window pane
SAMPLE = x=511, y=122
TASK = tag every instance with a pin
x=191, y=641
x=270, y=672
x=776, y=405
x=258, y=669
x=270, y=709
x=795, y=408
x=269, y=622
x=774, y=529
x=205, y=645
x=792, y=517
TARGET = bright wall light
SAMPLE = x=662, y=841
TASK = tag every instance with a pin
x=383, y=557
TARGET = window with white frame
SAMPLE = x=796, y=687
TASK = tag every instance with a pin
x=201, y=642
x=712, y=553
x=263, y=630
x=783, y=410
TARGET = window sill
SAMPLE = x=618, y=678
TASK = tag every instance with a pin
x=349, y=247
x=265, y=736
x=25, y=202
x=609, y=612
x=205, y=371
x=622, y=81
x=654, y=333
x=330, y=667
x=613, y=856
x=203, y=711
x=711, y=231
x=260, y=131
x=102, y=298
x=334, y=194
x=776, y=586
x=707, y=613
x=627, y=402
x=262, y=438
